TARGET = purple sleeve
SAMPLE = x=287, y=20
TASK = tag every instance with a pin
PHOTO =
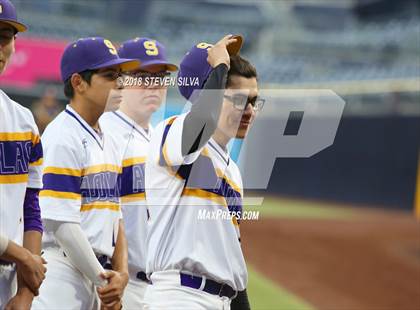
x=31, y=211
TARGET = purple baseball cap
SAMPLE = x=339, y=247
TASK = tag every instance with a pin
x=90, y=54
x=8, y=15
x=148, y=51
x=194, y=65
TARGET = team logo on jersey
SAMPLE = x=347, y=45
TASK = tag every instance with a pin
x=100, y=186
x=14, y=157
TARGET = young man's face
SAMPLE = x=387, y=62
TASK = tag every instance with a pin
x=7, y=44
x=144, y=99
x=104, y=91
x=234, y=122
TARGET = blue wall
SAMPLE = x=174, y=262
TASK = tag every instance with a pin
x=373, y=161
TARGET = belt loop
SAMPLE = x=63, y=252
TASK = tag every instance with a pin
x=221, y=289
x=203, y=283
x=234, y=295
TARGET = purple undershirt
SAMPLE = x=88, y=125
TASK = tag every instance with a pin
x=31, y=211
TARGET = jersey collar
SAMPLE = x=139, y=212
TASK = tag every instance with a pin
x=96, y=136
x=132, y=124
x=219, y=150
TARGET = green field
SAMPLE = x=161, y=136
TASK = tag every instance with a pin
x=263, y=293
x=290, y=208
x=266, y=295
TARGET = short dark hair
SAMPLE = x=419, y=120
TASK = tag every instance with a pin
x=68, y=88
x=241, y=67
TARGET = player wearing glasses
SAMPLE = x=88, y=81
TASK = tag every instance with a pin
x=194, y=263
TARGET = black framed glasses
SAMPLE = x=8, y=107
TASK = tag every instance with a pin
x=240, y=102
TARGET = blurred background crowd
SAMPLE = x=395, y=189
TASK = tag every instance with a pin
x=366, y=50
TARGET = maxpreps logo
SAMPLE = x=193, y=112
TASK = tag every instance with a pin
x=220, y=214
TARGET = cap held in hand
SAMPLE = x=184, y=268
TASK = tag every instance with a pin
x=194, y=65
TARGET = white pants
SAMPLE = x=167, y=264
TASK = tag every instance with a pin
x=7, y=284
x=64, y=286
x=133, y=298
x=166, y=292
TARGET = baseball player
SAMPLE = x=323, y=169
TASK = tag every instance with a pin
x=80, y=200
x=131, y=129
x=198, y=264
x=20, y=181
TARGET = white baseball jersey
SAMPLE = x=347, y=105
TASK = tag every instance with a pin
x=178, y=190
x=20, y=164
x=80, y=174
x=133, y=142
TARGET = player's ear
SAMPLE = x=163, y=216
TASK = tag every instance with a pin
x=79, y=85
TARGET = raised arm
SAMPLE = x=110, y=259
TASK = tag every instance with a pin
x=201, y=122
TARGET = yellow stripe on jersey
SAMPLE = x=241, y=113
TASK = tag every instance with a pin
x=205, y=152
x=133, y=161
x=199, y=193
x=165, y=154
x=221, y=175
x=100, y=205
x=171, y=120
x=169, y=166
x=37, y=163
x=220, y=200
x=16, y=136
x=133, y=197
x=82, y=172
x=13, y=179
x=102, y=168
x=61, y=195
x=64, y=171
x=35, y=139
x=20, y=136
